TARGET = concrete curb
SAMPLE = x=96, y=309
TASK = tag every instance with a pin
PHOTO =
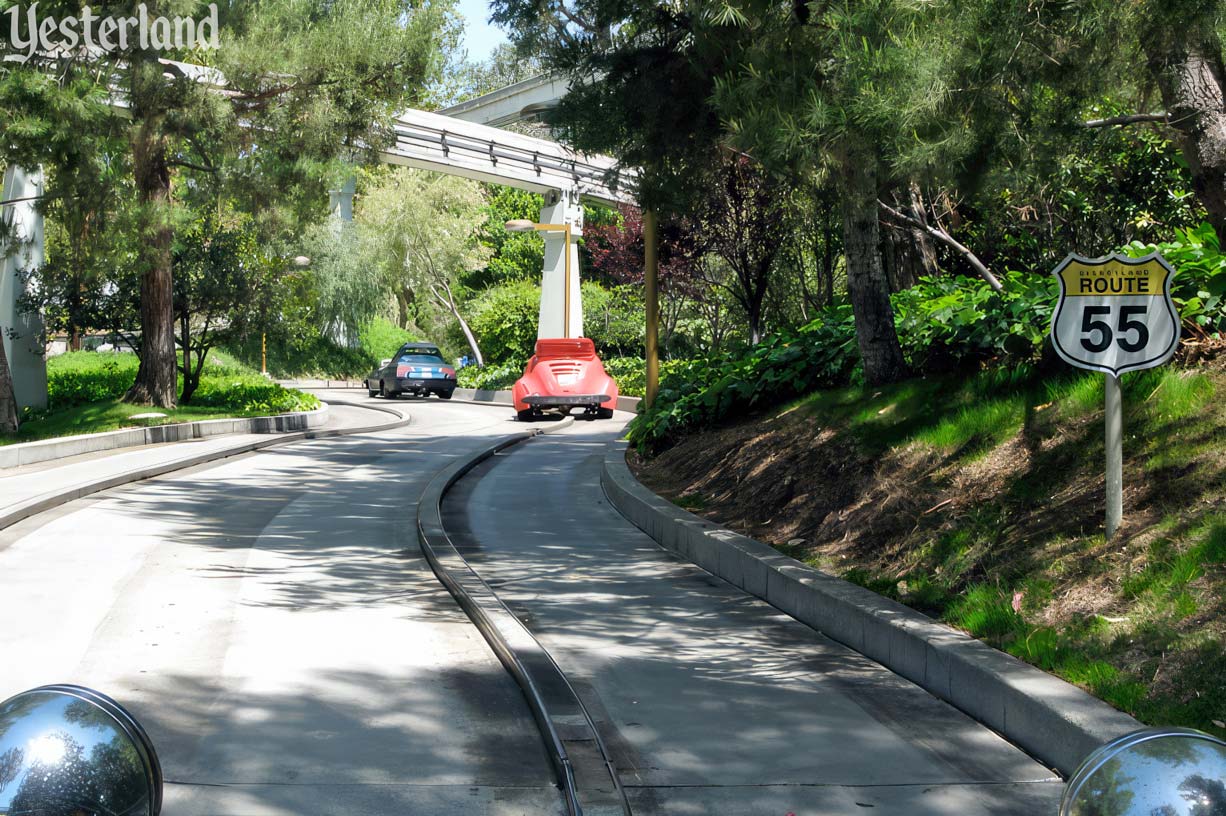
x=48, y=501
x=1054, y=721
x=44, y=450
x=587, y=777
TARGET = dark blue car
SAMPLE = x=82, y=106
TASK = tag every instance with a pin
x=418, y=369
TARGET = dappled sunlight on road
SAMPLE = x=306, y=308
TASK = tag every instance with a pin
x=271, y=621
x=698, y=687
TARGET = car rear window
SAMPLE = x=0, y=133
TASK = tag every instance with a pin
x=431, y=359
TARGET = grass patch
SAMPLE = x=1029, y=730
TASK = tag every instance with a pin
x=85, y=389
x=108, y=415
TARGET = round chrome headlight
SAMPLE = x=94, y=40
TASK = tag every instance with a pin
x=1152, y=772
x=70, y=751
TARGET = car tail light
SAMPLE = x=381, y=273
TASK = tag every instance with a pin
x=449, y=372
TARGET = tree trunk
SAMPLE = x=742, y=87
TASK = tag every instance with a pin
x=1188, y=68
x=449, y=301
x=10, y=418
x=155, y=379
x=907, y=251
x=468, y=335
x=402, y=310
x=867, y=286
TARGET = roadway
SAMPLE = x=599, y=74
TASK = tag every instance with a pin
x=710, y=700
x=271, y=621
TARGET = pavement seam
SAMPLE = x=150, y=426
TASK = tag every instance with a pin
x=49, y=501
x=591, y=784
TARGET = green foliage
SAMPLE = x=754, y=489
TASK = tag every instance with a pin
x=701, y=393
x=85, y=377
x=943, y=324
x=1199, y=285
x=630, y=374
x=614, y=319
x=491, y=378
x=504, y=319
x=380, y=339
x=947, y=321
x=514, y=256
x=251, y=393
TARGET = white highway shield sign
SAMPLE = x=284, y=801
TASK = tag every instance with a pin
x=1115, y=314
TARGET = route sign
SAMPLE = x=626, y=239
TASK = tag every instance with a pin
x=1115, y=313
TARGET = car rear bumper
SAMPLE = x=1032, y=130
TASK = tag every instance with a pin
x=425, y=385
x=566, y=399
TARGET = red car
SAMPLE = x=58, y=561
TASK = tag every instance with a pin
x=565, y=374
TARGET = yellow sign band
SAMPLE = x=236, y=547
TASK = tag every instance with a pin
x=1114, y=279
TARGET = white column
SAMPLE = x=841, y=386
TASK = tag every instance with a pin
x=25, y=351
x=340, y=202
x=561, y=208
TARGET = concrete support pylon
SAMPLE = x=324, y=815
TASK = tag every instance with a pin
x=25, y=352
x=561, y=208
x=340, y=202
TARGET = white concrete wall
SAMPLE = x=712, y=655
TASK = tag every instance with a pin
x=25, y=352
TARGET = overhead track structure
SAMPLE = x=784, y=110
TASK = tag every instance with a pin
x=426, y=141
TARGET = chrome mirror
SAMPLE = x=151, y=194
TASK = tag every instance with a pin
x=1151, y=772
x=69, y=751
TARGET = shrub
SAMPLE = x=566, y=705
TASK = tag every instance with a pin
x=504, y=319
x=700, y=393
x=88, y=376
x=380, y=339
x=490, y=378
x=251, y=394
x=1199, y=285
x=614, y=320
x=942, y=322
x=83, y=377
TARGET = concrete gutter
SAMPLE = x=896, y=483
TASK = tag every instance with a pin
x=47, y=501
x=585, y=772
x=44, y=450
x=1054, y=721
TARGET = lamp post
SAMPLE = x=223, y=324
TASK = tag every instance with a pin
x=523, y=225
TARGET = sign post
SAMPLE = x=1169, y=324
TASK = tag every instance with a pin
x=1115, y=315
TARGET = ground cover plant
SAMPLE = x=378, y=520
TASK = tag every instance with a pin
x=85, y=390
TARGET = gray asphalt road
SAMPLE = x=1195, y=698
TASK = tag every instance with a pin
x=712, y=701
x=271, y=622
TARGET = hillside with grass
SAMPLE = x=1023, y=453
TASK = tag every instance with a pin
x=979, y=500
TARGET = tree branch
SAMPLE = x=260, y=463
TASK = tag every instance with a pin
x=1129, y=119
x=947, y=239
x=190, y=165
